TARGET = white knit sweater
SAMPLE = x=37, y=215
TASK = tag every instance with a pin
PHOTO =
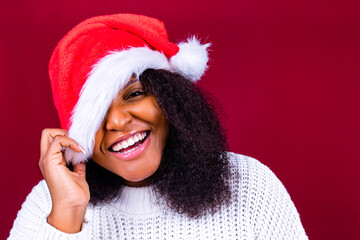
x=260, y=209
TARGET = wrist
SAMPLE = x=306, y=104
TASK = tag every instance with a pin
x=68, y=220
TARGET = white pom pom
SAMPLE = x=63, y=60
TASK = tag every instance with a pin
x=191, y=60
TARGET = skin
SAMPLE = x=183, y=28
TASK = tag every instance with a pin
x=132, y=110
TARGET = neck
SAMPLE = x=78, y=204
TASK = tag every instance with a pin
x=142, y=183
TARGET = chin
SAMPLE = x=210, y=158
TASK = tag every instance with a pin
x=138, y=174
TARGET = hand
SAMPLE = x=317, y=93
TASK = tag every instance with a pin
x=68, y=189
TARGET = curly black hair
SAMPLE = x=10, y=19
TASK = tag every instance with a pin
x=194, y=168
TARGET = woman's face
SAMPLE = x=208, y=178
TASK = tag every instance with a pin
x=131, y=140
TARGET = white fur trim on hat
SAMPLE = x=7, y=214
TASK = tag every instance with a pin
x=191, y=60
x=102, y=86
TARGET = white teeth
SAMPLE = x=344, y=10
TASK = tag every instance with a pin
x=129, y=142
x=125, y=144
x=116, y=148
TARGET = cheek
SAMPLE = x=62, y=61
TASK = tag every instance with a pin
x=99, y=136
x=161, y=127
x=149, y=111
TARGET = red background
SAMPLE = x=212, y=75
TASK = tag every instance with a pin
x=286, y=73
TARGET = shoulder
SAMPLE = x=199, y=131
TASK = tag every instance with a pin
x=258, y=180
x=33, y=213
x=251, y=169
x=273, y=213
x=40, y=191
x=38, y=200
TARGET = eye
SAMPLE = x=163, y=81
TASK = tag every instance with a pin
x=134, y=94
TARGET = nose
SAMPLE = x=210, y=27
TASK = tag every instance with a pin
x=117, y=118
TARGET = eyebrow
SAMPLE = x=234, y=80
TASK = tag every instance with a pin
x=129, y=83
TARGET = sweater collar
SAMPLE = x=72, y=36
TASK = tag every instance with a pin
x=138, y=201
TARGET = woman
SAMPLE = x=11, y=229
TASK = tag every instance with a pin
x=145, y=151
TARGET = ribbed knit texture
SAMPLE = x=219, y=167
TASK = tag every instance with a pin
x=260, y=209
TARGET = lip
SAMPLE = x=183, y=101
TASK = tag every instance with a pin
x=135, y=153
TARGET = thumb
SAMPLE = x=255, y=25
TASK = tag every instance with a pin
x=80, y=169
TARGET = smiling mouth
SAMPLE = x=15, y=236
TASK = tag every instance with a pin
x=130, y=144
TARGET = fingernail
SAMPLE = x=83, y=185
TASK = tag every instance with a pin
x=82, y=150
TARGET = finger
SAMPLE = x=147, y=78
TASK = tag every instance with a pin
x=80, y=169
x=60, y=142
x=47, y=137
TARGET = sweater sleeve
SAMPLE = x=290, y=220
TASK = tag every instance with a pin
x=276, y=216
x=31, y=220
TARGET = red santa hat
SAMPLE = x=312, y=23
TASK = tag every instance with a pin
x=94, y=60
